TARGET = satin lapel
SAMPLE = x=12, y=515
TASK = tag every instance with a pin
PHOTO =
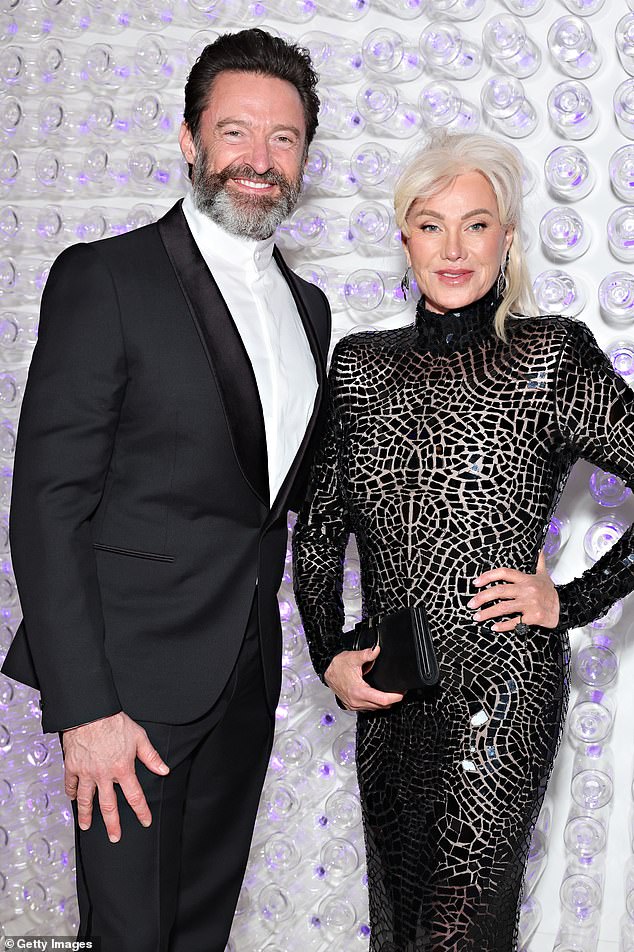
x=225, y=351
x=279, y=502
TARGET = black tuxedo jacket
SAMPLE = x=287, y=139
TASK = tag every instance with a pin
x=140, y=517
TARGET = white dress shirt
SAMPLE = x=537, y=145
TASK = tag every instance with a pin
x=265, y=313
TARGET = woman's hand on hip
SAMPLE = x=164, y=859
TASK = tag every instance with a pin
x=344, y=675
x=534, y=597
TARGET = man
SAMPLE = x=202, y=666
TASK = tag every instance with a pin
x=166, y=427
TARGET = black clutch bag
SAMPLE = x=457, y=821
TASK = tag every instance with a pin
x=407, y=659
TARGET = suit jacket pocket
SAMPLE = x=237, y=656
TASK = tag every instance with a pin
x=134, y=553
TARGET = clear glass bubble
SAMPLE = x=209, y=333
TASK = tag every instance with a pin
x=622, y=173
x=601, y=536
x=571, y=109
x=557, y=292
x=343, y=749
x=563, y=233
x=616, y=296
x=596, y=665
x=281, y=852
x=292, y=749
x=568, y=173
x=607, y=489
x=584, y=8
x=444, y=48
x=340, y=858
x=524, y=8
x=505, y=40
x=275, y=904
x=621, y=354
x=343, y=810
x=591, y=717
x=585, y=836
x=503, y=100
x=620, y=230
x=624, y=37
x=624, y=107
x=557, y=536
x=442, y=104
x=592, y=789
x=572, y=45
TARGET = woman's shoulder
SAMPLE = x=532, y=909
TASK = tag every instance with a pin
x=546, y=331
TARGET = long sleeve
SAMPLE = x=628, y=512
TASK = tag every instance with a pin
x=595, y=415
x=320, y=539
x=69, y=416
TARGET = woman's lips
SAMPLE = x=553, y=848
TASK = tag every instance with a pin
x=453, y=278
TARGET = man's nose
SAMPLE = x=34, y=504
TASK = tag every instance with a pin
x=260, y=158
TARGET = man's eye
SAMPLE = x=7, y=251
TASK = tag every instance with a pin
x=233, y=133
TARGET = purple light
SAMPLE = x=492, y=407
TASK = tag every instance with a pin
x=122, y=124
x=165, y=123
x=322, y=821
x=167, y=70
x=327, y=719
x=124, y=19
x=162, y=176
x=166, y=17
x=13, y=29
x=84, y=23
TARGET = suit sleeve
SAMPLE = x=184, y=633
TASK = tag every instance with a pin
x=320, y=538
x=595, y=414
x=68, y=420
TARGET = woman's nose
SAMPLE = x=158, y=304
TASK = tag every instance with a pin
x=453, y=249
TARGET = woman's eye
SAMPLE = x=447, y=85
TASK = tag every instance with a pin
x=429, y=227
x=478, y=225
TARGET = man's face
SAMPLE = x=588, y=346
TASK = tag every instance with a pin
x=248, y=156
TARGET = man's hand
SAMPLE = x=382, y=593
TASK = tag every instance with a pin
x=98, y=755
x=344, y=675
x=533, y=596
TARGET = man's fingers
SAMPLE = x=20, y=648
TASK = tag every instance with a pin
x=150, y=756
x=85, y=796
x=133, y=792
x=71, y=782
x=110, y=810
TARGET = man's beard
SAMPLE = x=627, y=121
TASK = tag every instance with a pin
x=248, y=216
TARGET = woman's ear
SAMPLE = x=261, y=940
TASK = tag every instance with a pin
x=508, y=240
x=406, y=250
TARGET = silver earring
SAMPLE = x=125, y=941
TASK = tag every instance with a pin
x=502, y=281
x=405, y=282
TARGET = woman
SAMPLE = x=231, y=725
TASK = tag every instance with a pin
x=447, y=447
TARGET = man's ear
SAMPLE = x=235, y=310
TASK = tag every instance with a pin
x=186, y=142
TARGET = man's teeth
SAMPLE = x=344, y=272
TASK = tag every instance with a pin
x=250, y=184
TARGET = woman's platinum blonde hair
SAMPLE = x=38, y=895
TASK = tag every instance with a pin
x=447, y=155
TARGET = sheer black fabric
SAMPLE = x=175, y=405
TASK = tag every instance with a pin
x=445, y=453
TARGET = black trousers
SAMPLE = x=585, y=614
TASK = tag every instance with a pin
x=173, y=887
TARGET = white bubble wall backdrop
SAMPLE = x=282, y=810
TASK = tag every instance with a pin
x=90, y=104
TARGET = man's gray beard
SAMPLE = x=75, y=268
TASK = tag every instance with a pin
x=247, y=216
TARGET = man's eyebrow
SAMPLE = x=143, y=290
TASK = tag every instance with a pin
x=245, y=122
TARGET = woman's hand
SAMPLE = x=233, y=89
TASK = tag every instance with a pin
x=344, y=675
x=534, y=597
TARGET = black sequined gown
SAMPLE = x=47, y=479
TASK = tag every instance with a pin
x=445, y=453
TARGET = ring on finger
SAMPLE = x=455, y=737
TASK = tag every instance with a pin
x=521, y=628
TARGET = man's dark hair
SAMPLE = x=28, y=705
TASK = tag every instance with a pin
x=251, y=51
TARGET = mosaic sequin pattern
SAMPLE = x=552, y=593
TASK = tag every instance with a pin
x=445, y=453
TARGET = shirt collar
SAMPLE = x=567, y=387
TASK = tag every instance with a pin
x=232, y=250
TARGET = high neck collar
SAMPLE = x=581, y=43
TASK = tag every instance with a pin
x=457, y=328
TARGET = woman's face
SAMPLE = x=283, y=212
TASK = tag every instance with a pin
x=456, y=244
